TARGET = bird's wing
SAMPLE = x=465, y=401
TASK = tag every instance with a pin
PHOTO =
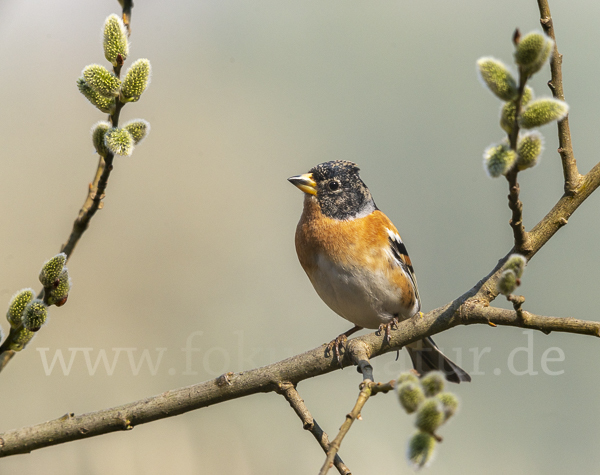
x=400, y=255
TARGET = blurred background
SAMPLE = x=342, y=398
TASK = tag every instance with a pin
x=195, y=245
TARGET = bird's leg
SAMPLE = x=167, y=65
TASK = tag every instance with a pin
x=339, y=342
x=386, y=329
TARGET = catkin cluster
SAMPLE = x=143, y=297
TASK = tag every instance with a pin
x=26, y=313
x=531, y=53
x=426, y=398
x=105, y=90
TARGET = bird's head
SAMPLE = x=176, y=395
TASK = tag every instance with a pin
x=338, y=189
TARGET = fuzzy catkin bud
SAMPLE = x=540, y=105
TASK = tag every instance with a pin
x=507, y=282
x=410, y=395
x=136, y=80
x=52, y=269
x=21, y=339
x=59, y=294
x=420, y=449
x=103, y=104
x=432, y=383
x=498, y=159
x=516, y=263
x=115, y=40
x=507, y=114
x=544, y=56
x=529, y=149
x=430, y=415
x=17, y=305
x=408, y=376
x=496, y=76
x=101, y=80
x=138, y=128
x=99, y=129
x=533, y=51
x=35, y=315
x=449, y=403
x=530, y=48
x=543, y=111
x=119, y=141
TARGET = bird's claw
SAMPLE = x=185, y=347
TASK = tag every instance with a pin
x=335, y=345
x=386, y=329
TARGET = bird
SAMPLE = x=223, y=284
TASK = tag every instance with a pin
x=357, y=262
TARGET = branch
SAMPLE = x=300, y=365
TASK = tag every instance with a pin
x=367, y=389
x=272, y=377
x=524, y=319
x=570, y=172
x=288, y=391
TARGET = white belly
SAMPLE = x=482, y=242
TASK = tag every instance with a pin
x=364, y=298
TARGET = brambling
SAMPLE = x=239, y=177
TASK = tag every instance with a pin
x=357, y=263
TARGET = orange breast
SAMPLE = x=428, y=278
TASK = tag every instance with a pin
x=362, y=242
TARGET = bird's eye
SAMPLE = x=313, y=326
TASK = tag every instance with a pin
x=334, y=185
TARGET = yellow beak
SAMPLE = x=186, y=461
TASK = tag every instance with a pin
x=305, y=183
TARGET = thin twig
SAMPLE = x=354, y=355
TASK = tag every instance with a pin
x=367, y=389
x=570, y=172
x=522, y=244
x=5, y=356
x=96, y=193
x=524, y=319
x=517, y=301
x=359, y=355
x=289, y=392
x=92, y=203
x=514, y=203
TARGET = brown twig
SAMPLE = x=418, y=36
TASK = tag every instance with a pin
x=96, y=193
x=5, y=355
x=517, y=301
x=367, y=389
x=358, y=353
x=97, y=189
x=514, y=203
x=504, y=317
x=288, y=391
x=522, y=244
x=570, y=172
x=92, y=203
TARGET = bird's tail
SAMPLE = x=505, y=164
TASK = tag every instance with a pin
x=426, y=356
